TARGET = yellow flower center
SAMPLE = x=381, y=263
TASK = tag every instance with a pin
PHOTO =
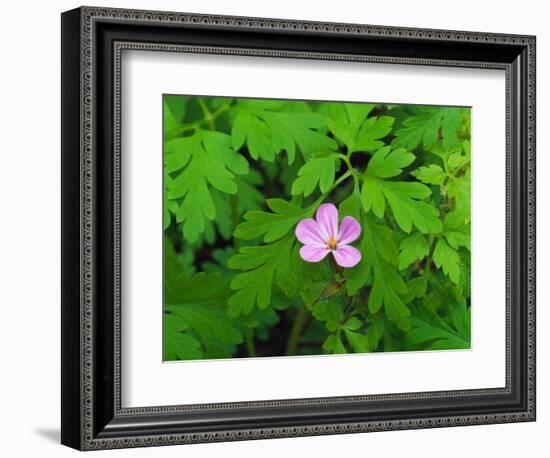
x=332, y=243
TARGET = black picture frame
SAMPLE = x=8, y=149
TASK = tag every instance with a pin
x=92, y=42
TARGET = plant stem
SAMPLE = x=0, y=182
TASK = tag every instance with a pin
x=195, y=124
x=300, y=321
x=249, y=341
x=347, y=309
x=206, y=113
x=347, y=160
x=429, y=258
x=344, y=177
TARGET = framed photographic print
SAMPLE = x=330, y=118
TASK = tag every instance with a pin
x=277, y=228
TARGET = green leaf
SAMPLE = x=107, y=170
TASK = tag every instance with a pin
x=353, y=324
x=208, y=323
x=457, y=161
x=416, y=288
x=350, y=123
x=318, y=171
x=386, y=289
x=376, y=245
x=461, y=320
x=413, y=248
x=387, y=163
x=359, y=342
x=176, y=264
x=205, y=159
x=447, y=258
x=267, y=127
x=328, y=310
x=256, y=133
x=385, y=246
x=308, y=281
x=249, y=197
x=404, y=198
x=170, y=123
x=452, y=120
x=272, y=226
x=204, y=293
x=466, y=147
x=387, y=284
x=425, y=128
x=223, y=221
x=374, y=333
x=334, y=344
x=367, y=342
x=372, y=130
x=457, y=234
x=174, y=113
x=459, y=189
x=351, y=206
x=431, y=330
x=258, y=264
x=177, y=344
x=442, y=293
x=199, y=303
x=431, y=174
x=218, y=263
x=170, y=206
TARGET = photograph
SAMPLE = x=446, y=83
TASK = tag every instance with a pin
x=308, y=227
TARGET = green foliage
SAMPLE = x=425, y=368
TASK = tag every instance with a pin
x=259, y=265
x=413, y=248
x=272, y=225
x=267, y=128
x=431, y=174
x=406, y=199
x=387, y=284
x=318, y=171
x=195, y=307
x=203, y=160
x=427, y=127
x=350, y=123
x=432, y=332
x=240, y=174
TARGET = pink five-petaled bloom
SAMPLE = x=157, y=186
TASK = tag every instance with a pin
x=322, y=236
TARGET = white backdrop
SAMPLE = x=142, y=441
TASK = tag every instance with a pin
x=30, y=241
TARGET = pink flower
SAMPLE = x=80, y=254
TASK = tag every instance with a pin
x=322, y=236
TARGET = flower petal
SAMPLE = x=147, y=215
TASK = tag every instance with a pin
x=313, y=254
x=350, y=230
x=309, y=233
x=346, y=256
x=327, y=218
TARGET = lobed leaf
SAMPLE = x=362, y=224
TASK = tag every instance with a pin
x=426, y=127
x=413, y=248
x=267, y=128
x=350, y=123
x=431, y=330
x=387, y=284
x=258, y=264
x=404, y=198
x=447, y=258
x=202, y=160
x=318, y=171
x=431, y=174
x=272, y=225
